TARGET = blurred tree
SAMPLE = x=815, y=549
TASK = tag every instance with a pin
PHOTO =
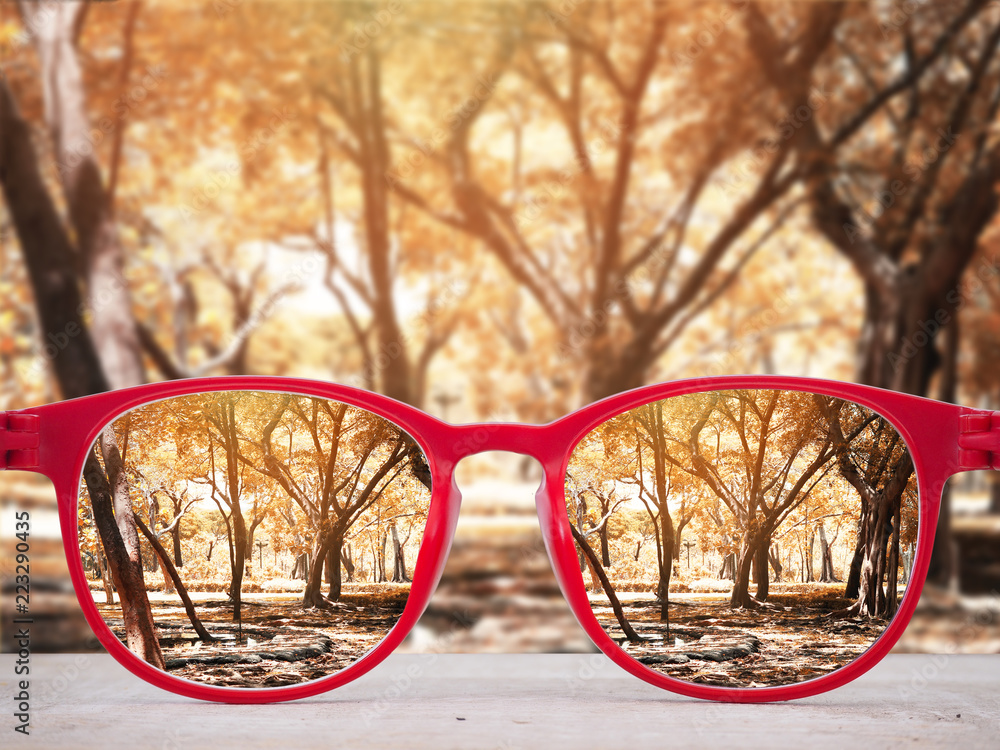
x=901, y=173
x=55, y=32
x=52, y=261
x=589, y=238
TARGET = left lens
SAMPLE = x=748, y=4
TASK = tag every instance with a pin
x=251, y=539
x=744, y=538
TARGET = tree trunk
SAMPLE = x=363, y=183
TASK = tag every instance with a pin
x=741, y=579
x=239, y=566
x=398, y=559
x=595, y=580
x=810, y=576
x=346, y=558
x=336, y=576
x=109, y=597
x=728, y=569
x=123, y=560
x=609, y=591
x=312, y=596
x=872, y=599
x=332, y=542
x=826, y=566
x=175, y=535
x=775, y=558
x=893, y=566
x=394, y=377
x=153, y=509
x=381, y=558
x=168, y=567
x=666, y=562
x=250, y=537
x=328, y=563
x=605, y=547
x=49, y=258
x=760, y=563
x=80, y=366
x=580, y=510
x=108, y=300
x=854, y=574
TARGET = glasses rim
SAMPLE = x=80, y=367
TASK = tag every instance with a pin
x=932, y=430
x=899, y=412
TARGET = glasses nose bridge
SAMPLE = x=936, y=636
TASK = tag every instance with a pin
x=536, y=441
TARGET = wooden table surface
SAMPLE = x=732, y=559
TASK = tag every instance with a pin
x=503, y=702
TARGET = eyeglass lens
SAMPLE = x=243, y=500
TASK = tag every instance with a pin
x=252, y=539
x=744, y=538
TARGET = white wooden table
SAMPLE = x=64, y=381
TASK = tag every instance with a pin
x=505, y=702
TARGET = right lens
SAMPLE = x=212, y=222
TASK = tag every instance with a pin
x=252, y=539
x=744, y=538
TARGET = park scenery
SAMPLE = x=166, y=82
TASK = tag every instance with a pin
x=697, y=520
x=503, y=210
x=274, y=535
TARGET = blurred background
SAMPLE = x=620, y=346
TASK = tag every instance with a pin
x=501, y=210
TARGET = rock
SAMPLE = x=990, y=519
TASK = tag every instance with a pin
x=664, y=659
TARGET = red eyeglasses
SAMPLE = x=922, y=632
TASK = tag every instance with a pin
x=265, y=539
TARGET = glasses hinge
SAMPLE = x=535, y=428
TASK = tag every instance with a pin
x=979, y=441
x=18, y=440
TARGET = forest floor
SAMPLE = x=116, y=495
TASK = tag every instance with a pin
x=794, y=637
x=278, y=642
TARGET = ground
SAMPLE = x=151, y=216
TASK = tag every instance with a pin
x=278, y=642
x=794, y=637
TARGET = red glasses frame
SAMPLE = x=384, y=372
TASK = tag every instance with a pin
x=944, y=439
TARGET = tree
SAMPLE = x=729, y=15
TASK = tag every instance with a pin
x=878, y=465
x=608, y=589
x=770, y=461
x=902, y=185
x=230, y=477
x=84, y=364
x=171, y=572
x=107, y=485
x=335, y=462
x=55, y=32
